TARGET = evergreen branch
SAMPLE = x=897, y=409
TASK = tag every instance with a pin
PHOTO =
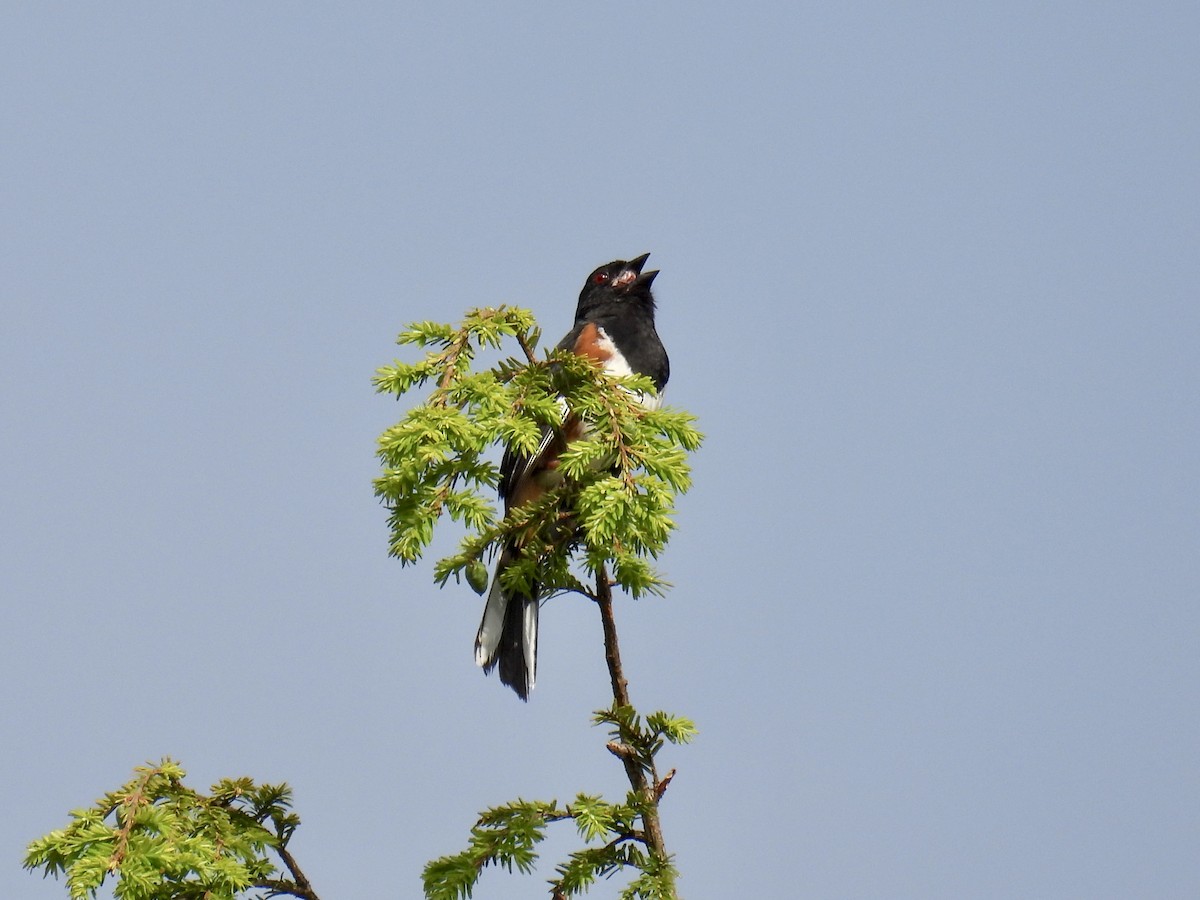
x=171, y=842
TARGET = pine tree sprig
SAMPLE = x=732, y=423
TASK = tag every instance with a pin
x=622, y=478
x=159, y=839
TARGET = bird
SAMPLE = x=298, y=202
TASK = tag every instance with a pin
x=614, y=326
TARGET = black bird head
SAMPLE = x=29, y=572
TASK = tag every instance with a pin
x=617, y=282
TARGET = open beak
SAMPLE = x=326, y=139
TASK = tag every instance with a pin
x=632, y=274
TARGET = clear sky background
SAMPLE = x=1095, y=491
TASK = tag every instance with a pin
x=929, y=280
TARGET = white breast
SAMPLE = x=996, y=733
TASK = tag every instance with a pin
x=616, y=365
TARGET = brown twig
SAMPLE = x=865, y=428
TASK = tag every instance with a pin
x=296, y=886
x=661, y=787
x=449, y=359
x=612, y=649
x=530, y=353
x=624, y=463
x=126, y=811
x=642, y=786
x=303, y=888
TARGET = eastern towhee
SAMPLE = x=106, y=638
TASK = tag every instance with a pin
x=614, y=325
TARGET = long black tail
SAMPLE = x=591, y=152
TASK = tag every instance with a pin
x=508, y=633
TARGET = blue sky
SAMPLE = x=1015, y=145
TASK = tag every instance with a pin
x=929, y=281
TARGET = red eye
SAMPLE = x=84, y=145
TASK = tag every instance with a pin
x=600, y=278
